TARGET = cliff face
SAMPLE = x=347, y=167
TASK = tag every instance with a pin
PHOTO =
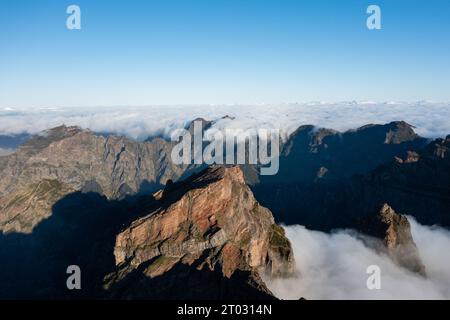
x=311, y=154
x=314, y=163
x=78, y=160
x=77, y=157
x=410, y=176
x=209, y=224
x=395, y=232
x=417, y=185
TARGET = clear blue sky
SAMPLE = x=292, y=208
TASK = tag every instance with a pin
x=222, y=51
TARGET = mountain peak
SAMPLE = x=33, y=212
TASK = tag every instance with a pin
x=395, y=132
x=205, y=125
x=42, y=140
x=399, y=131
x=395, y=231
x=211, y=221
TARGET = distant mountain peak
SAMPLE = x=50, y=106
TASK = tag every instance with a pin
x=204, y=125
x=42, y=140
x=395, y=231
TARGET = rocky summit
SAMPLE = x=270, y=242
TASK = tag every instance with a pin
x=395, y=231
x=208, y=232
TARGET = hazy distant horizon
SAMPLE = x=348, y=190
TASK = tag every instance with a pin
x=430, y=119
x=213, y=104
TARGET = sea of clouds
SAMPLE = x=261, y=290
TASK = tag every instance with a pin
x=431, y=119
x=333, y=266
x=6, y=151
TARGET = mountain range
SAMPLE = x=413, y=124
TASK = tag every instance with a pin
x=140, y=226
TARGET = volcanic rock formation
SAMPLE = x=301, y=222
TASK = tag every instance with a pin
x=395, y=231
x=209, y=227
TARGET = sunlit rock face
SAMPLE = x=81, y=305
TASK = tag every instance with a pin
x=210, y=224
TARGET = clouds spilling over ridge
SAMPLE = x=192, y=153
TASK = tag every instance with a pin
x=430, y=119
x=333, y=266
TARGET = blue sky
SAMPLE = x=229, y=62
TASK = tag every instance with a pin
x=222, y=51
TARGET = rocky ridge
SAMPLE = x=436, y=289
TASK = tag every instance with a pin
x=117, y=167
x=327, y=180
x=79, y=160
x=209, y=224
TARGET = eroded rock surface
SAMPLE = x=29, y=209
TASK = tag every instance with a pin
x=78, y=160
x=209, y=226
x=395, y=231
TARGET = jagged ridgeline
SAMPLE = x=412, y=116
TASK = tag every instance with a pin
x=132, y=219
x=64, y=160
x=117, y=167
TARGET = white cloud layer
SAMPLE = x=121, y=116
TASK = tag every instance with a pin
x=333, y=266
x=6, y=151
x=431, y=119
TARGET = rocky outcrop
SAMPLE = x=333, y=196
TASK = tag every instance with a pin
x=210, y=224
x=395, y=232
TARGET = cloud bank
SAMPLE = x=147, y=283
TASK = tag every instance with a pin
x=6, y=151
x=430, y=119
x=333, y=266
